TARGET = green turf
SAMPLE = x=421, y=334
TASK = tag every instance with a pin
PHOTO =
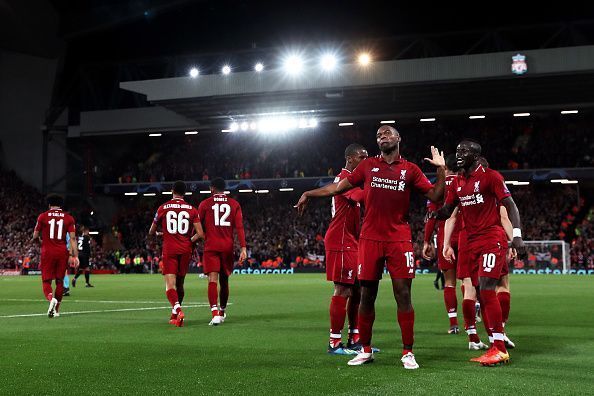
x=275, y=338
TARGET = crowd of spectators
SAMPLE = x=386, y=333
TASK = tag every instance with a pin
x=277, y=237
x=508, y=144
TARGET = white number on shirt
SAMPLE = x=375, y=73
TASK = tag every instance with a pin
x=410, y=259
x=80, y=243
x=221, y=213
x=52, y=224
x=178, y=223
x=488, y=262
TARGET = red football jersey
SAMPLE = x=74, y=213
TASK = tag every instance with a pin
x=177, y=218
x=478, y=196
x=220, y=215
x=53, y=225
x=345, y=226
x=440, y=224
x=387, y=196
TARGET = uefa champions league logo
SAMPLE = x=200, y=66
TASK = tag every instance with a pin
x=519, y=65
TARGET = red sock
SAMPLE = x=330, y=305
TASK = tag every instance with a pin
x=504, y=302
x=59, y=289
x=212, y=298
x=406, y=320
x=172, y=297
x=365, y=325
x=470, y=319
x=47, y=290
x=337, y=315
x=493, y=314
x=451, y=304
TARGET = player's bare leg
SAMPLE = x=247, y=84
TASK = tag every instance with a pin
x=450, y=299
x=366, y=318
x=177, y=315
x=504, y=297
x=213, y=280
x=179, y=286
x=223, y=295
x=497, y=354
x=406, y=320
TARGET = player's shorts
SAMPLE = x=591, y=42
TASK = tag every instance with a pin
x=84, y=262
x=341, y=266
x=444, y=264
x=465, y=267
x=53, y=266
x=397, y=257
x=176, y=264
x=489, y=257
x=220, y=262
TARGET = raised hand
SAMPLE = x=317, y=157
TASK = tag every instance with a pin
x=437, y=159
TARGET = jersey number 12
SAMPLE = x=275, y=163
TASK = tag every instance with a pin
x=221, y=213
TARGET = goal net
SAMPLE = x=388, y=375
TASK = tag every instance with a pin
x=544, y=257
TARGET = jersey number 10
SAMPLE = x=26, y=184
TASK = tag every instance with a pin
x=221, y=213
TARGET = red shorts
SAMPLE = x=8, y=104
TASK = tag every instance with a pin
x=442, y=263
x=397, y=257
x=214, y=261
x=341, y=266
x=176, y=264
x=53, y=266
x=489, y=257
x=466, y=268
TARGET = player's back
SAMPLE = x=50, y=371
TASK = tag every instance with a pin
x=54, y=225
x=345, y=225
x=219, y=215
x=177, y=218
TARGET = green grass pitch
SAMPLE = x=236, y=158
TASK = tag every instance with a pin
x=274, y=341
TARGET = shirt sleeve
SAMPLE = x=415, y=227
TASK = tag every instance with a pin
x=420, y=181
x=71, y=225
x=498, y=186
x=158, y=215
x=450, y=194
x=357, y=178
x=194, y=216
x=39, y=223
x=356, y=195
x=239, y=226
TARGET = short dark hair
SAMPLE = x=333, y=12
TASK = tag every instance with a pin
x=218, y=183
x=55, y=200
x=179, y=187
x=451, y=162
x=474, y=144
x=352, y=149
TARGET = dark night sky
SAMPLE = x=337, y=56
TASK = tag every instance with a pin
x=121, y=30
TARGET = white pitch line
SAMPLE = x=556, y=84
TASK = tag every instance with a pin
x=102, y=311
x=92, y=301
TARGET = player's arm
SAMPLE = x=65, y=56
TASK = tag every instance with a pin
x=514, y=217
x=430, y=221
x=197, y=227
x=240, y=234
x=507, y=226
x=448, y=228
x=73, y=249
x=154, y=225
x=435, y=194
x=329, y=190
x=37, y=230
x=445, y=212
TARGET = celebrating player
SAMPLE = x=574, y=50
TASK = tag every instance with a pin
x=53, y=226
x=220, y=215
x=341, y=243
x=385, y=239
x=478, y=192
x=175, y=217
x=84, y=256
x=448, y=268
